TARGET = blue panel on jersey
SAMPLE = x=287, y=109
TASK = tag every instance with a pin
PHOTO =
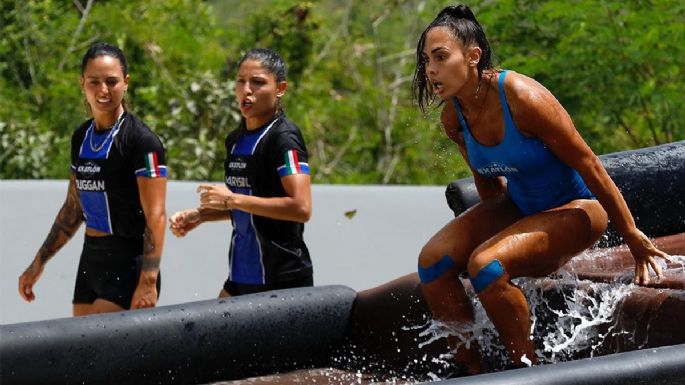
x=246, y=266
x=247, y=143
x=96, y=210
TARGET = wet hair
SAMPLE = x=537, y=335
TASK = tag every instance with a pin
x=462, y=23
x=104, y=49
x=269, y=59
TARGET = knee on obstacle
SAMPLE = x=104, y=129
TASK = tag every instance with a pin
x=486, y=276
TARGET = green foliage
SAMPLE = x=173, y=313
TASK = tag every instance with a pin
x=195, y=125
x=171, y=46
x=615, y=65
x=23, y=152
x=354, y=101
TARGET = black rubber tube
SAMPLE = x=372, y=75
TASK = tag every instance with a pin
x=651, y=180
x=657, y=366
x=189, y=343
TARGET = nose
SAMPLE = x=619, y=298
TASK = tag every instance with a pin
x=247, y=90
x=430, y=68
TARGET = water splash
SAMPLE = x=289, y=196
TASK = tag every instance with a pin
x=677, y=263
x=578, y=322
x=570, y=318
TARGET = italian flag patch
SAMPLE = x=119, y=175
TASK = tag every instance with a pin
x=152, y=167
x=292, y=165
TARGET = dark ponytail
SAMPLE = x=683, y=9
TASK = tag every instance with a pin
x=463, y=24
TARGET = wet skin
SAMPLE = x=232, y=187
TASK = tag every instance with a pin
x=530, y=246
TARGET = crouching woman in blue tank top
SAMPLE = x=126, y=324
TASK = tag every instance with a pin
x=545, y=196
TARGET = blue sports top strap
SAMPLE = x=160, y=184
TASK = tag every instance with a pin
x=508, y=120
x=457, y=107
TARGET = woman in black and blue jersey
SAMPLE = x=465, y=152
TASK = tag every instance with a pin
x=266, y=192
x=545, y=196
x=118, y=188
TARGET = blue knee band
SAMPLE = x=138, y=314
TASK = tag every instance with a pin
x=487, y=275
x=432, y=272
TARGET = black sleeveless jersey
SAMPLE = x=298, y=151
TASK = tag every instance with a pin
x=265, y=250
x=106, y=165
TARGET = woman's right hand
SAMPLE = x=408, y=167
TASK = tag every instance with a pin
x=29, y=278
x=184, y=221
x=645, y=255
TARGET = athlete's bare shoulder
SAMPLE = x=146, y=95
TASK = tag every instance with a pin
x=528, y=100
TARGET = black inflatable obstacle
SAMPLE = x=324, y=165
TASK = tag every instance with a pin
x=652, y=181
x=191, y=343
x=658, y=366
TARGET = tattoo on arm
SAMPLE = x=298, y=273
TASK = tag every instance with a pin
x=66, y=224
x=150, y=259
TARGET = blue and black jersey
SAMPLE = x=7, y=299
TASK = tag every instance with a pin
x=265, y=250
x=106, y=165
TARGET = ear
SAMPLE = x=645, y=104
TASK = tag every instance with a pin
x=474, y=55
x=126, y=79
x=82, y=81
x=280, y=88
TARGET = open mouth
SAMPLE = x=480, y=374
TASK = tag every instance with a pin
x=103, y=100
x=437, y=86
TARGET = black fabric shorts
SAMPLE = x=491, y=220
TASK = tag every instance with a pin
x=109, y=269
x=234, y=288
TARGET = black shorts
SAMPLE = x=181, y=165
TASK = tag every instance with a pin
x=109, y=269
x=234, y=288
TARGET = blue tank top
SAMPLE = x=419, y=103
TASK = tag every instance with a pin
x=536, y=179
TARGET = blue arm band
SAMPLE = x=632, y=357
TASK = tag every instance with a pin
x=487, y=275
x=432, y=272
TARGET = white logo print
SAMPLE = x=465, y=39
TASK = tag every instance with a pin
x=238, y=181
x=88, y=169
x=497, y=169
x=237, y=165
x=90, y=185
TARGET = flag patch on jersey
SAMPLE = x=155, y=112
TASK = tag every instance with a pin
x=292, y=165
x=152, y=167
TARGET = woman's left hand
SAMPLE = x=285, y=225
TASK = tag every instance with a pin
x=215, y=197
x=145, y=296
x=645, y=253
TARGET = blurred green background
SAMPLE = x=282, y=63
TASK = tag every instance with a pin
x=617, y=67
